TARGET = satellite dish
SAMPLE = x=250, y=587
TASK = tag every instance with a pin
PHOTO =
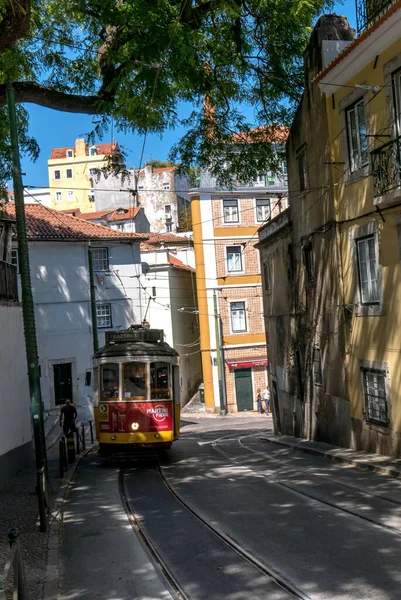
x=145, y=268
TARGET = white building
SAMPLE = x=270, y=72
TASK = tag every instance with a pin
x=162, y=193
x=58, y=249
x=132, y=220
x=170, y=303
x=15, y=423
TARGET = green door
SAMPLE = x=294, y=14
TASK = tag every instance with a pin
x=243, y=389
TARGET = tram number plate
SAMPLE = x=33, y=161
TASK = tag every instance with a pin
x=103, y=412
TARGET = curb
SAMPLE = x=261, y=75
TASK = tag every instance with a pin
x=388, y=471
x=51, y=585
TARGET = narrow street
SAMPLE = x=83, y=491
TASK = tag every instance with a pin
x=228, y=515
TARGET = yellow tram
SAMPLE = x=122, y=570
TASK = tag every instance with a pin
x=136, y=391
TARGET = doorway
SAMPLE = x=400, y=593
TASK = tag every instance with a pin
x=276, y=413
x=243, y=389
x=62, y=383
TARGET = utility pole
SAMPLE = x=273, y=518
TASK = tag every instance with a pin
x=218, y=353
x=95, y=335
x=26, y=290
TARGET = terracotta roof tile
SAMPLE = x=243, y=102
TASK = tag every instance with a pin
x=111, y=214
x=46, y=224
x=95, y=215
x=178, y=264
x=102, y=149
x=160, y=169
x=168, y=238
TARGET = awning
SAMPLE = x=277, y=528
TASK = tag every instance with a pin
x=246, y=363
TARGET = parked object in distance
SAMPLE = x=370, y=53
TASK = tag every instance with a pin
x=136, y=391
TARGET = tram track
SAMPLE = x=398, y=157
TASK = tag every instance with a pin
x=294, y=488
x=278, y=580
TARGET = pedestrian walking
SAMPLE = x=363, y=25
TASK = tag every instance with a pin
x=266, y=399
x=68, y=415
x=259, y=400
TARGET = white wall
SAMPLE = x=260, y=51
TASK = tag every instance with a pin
x=60, y=284
x=15, y=423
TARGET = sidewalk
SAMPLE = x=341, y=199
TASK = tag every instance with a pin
x=385, y=465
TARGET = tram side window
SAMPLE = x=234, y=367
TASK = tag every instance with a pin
x=135, y=381
x=110, y=379
x=160, y=380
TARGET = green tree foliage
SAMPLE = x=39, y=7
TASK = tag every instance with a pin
x=137, y=60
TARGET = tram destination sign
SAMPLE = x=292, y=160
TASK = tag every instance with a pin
x=134, y=335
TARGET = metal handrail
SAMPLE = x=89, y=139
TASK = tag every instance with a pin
x=367, y=11
x=386, y=167
x=16, y=565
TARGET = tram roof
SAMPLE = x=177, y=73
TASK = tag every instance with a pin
x=136, y=349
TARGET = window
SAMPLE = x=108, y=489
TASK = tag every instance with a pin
x=93, y=151
x=14, y=257
x=261, y=180
x=357, y=141
x=309, y=263
x=70, y=153
x=91, y=197
x=140, y=188
x=266, y=276
x=166, y=185
x=92, y=172
x=230, y=211
x=59, y=196
x=167, y=209
x=302, y=170
x=160, y=384
x=57, y=174
x=100, y=259
x=317, y=367
x=110, y=381
x=234, y=258
x=262, y=209
x=396, y=78
x=135, y=384
x=374, y=387
x=70, y=196
x=169, y=227
x=238, y=316
x=103, y=315
x=271, y=180
x=367, y=270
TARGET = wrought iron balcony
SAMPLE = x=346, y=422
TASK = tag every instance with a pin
x=367, y=11
x=386, y=167
x=8, y=281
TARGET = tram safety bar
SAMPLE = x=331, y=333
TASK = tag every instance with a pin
x=16, y=565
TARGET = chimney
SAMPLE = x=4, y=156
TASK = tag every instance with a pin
x=80, y=147
x=331, y=34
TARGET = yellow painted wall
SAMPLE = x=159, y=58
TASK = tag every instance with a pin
x=374, y=338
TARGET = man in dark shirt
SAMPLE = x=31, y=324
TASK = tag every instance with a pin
x=69, y=412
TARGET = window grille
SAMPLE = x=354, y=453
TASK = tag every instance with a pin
x=376, y=408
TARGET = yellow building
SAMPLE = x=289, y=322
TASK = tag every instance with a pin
x=71, y=173
x=229, y=288
x=363, y=91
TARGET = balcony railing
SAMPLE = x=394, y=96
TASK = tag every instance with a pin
x=8, y=281
x=386, y=167
x=367, y=11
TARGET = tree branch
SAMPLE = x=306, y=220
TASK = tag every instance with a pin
x=15, y=22
x=30, y=91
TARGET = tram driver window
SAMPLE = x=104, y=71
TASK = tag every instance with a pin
x=160, y=381
x=135, y=381
x=110, y=381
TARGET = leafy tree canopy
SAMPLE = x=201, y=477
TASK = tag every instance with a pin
x=137, y=60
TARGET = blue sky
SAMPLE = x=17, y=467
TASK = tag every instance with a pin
x=53, y=129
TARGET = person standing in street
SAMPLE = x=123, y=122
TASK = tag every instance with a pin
x=259, y=401
x=68, y=415
x=266, y=399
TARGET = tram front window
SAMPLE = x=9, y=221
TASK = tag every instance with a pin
x=160, y=382
x=110, y=381
x=135, y=381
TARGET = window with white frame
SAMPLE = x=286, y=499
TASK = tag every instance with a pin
x=100, y=257
x=70, y=196
x=238, y=317
x=167, y=209
x=317, y=367
x=367, y=270
x=230, y=210
x=68, y=173
x=70, y=153
x=59, y=196
x=14, y=257
x=266, y=276
x=356, y=133
x=234, y=258
x=262, y=209
x=376, y=403
x=166, y=185
x=103, y=315
x=57, y=174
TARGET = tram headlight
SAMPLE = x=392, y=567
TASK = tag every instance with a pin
x=135, y=426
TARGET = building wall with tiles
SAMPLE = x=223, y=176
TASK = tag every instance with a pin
x=246, y=210
x=253, y=306
x=250, y=257
x=259, y=374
